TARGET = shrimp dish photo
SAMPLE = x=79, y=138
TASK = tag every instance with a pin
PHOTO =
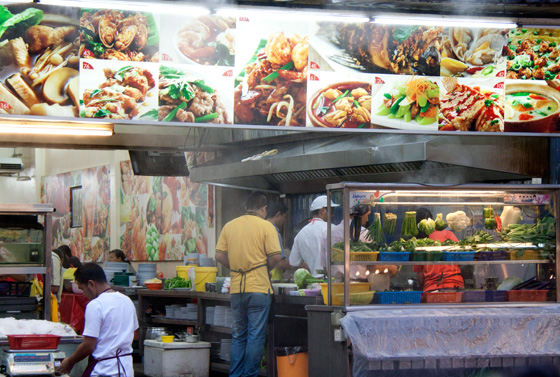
x=208, y=40
x=272, y=90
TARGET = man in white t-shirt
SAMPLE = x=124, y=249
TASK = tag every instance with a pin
x=110, y=322
x=307, y=244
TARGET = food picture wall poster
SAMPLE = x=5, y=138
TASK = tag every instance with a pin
x=270, y=68
x=162, y=218
x=91, y=241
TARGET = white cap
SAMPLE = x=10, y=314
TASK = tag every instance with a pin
x=320, y=202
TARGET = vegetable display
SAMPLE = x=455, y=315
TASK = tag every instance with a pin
x=489, y=219
x=389, y=223
x=176, y=282
x=543, y=231
x=409, y=228
x=375, y=232
x=354, y=246
x=303, y=278
x=440, y=222
x=458, y=221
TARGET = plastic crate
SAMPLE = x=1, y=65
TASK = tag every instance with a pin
x=425, y=256
x=457, y=256
x=491, y=255
x=338, y=289
x=526, y=295
x=404, y=297
x=355, y=256
x=34, y=342
x=495, y=296
x=15, y=288
x=393, y=256
x=526, y=254
x=474, y=296
x=441, y=297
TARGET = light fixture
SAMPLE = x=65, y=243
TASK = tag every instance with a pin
x=470, y=23
x=161, y=7
x=56, y=128
x=300, y=14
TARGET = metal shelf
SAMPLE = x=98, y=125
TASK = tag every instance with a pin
x=169, y=321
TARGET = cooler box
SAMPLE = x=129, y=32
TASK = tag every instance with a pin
x=176, y=359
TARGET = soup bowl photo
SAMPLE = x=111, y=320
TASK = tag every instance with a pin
x=531, y=107
x=341, y=105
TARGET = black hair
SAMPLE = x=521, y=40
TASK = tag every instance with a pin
x=74, y=262
x=59, y=253
x=255, y=201
x=315, y=213
x=119, y=254
x=275, y=207
x=90, y=271
x=65, y=250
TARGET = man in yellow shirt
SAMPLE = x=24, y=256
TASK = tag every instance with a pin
x=249, y=247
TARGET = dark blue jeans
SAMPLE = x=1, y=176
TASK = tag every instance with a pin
x=250, y=315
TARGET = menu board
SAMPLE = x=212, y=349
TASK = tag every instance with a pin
x=269, y=69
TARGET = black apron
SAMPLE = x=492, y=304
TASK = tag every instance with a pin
x=92, y=362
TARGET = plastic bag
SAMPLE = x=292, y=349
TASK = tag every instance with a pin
x=288, y=351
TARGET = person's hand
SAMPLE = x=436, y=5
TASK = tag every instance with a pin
x=65, y=366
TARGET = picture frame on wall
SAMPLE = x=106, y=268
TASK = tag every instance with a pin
x=76, y=207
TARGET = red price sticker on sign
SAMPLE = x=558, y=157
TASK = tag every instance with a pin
x=243, y=19
x=378, y=80
x=86, y=65
x=314, y=65
x=499, y=85
x=5, y=106
x=166, y=58
x=228, y=73
x=312, y=77
x=87, y=53
x=501, y=74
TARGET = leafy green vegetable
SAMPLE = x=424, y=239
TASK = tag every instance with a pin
x=177, y=282
x=153, y=35
x=173, y=112
x=152, y=114
x=102, y=113
x=120, y=73
x=403, y=33
x=203, y=86
x=23, y=20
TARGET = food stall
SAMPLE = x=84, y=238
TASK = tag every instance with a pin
x=507, y=258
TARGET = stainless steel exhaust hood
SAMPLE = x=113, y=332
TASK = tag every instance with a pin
x=302, y=166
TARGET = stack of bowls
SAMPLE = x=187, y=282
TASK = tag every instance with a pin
x=205, y=261
x=192, y=312
x=111, y=267
x=146, y=271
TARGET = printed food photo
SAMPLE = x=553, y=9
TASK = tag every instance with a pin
x=407, y=103
x=186, y=96
x=272, y=88
x=469, y=107
x=118, y=35
x=117, y=90
x=39, y=61
x=533, y=54
x=468, y=52
x=531, y=107
x=341, y=105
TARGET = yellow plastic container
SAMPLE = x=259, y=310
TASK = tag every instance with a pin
x=337, y=293
x=167, y=338
x=183, y=271
x=203, y=275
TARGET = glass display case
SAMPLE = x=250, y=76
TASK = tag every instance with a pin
x=25, y=250
x=417, y=244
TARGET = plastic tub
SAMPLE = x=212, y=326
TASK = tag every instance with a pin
x=183, y=271
x=526, y=295
x=167, y=338
x=203, y=275
x=461, y=256
x=441, y=297
x=358, y=298
x=292, y=365
x=338, y=288
x=154, y=286
x=422, y=255
x=527, y=254
x=402, y=297
x=490, y=255
x=393, y=256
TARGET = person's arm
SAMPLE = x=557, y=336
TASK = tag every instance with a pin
x=221, y=257
x=84, y=350
x=273, y=260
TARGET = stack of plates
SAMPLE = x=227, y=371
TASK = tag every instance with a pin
x=220, y=316
x=111, y=267
x=146, y=271
x=192, y=312
x=209, y=315
x=228, y=320
x=184, y=313
x=225, y=349
x=172, y=311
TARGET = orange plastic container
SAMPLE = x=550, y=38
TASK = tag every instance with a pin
x=526, y=295
x=441, y=297
x=295, y=365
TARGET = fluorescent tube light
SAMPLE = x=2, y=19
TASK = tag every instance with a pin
x=55, y=128
x=293, y=14
x=471, y=23
x=135, y=6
